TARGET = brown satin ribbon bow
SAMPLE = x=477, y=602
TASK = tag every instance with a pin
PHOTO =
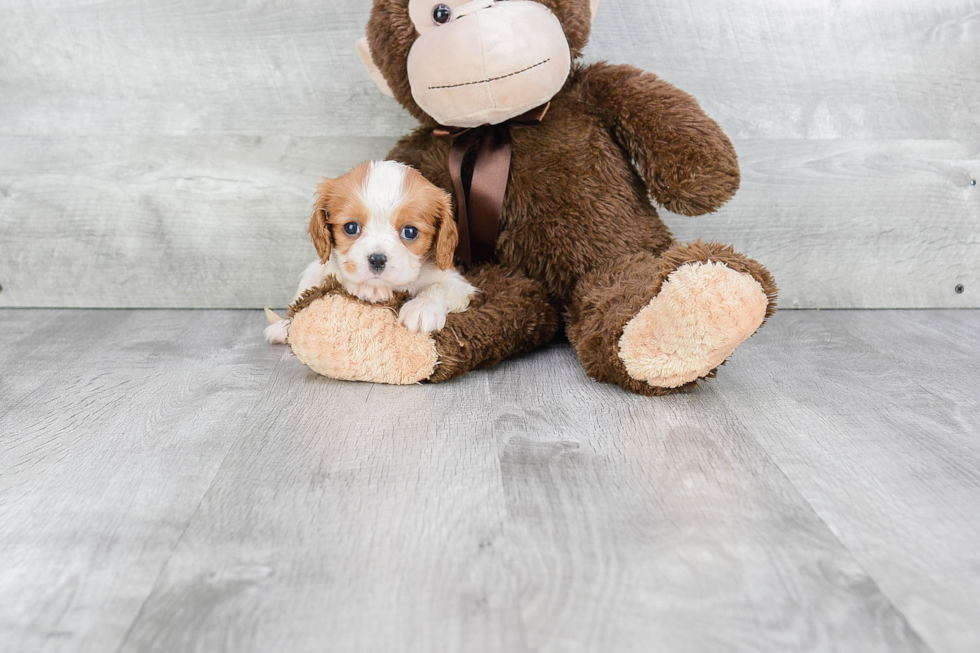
x=478, y=214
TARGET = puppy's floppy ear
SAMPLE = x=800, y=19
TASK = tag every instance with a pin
x=447, y=237
x=364, y=54
x=319, y=227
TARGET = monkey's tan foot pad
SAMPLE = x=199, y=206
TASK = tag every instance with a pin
x=703, y=313
x=342, y=338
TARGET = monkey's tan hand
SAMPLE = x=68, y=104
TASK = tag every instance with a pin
x=343, y=338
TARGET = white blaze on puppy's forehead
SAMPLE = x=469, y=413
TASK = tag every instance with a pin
x=378, y=235
x=384, y=188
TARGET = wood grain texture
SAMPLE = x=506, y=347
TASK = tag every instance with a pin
x=875, y=417
x=163, y=154
x=891, y=69
x=812, y=69
x=867, y=224
x=846, y=224
x=662, y=524
x=174, y=222
x=103, y=463
x=363, y=528
x=37, y=345
x=178, y=485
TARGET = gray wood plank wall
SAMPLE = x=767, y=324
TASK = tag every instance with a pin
x=164, y=153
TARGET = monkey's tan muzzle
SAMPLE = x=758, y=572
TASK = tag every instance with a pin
x=493, y=62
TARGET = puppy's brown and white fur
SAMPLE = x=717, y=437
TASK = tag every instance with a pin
x=383, y=228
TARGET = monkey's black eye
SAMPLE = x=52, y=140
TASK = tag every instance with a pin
x=352, y=228
x=442, y=14
x=410, y=233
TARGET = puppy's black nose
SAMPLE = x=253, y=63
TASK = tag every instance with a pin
x=377, y=262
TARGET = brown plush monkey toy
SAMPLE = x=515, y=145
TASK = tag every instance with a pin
x=552, y=165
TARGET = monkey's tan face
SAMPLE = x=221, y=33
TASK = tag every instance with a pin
x=486, y=61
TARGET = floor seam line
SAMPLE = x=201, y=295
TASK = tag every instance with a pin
x=827, y=526
x=190, y=520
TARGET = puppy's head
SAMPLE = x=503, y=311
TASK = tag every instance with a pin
x=383, y=221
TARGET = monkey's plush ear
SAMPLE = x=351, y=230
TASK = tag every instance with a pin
x=364, y=54
x=319, y=227
x=448, y=236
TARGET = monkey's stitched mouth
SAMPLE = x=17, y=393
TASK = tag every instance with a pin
x=492, y=79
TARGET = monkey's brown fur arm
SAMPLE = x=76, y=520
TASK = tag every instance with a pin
x=688, y=163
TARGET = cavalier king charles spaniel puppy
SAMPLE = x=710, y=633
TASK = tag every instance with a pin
x=382, y=228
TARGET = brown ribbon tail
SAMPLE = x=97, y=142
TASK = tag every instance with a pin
x=457, y=153
x=479, y=213
x=487, y=191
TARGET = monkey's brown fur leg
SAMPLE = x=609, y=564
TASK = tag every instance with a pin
x=658, y=325
x=511, y=316
x=340, y=337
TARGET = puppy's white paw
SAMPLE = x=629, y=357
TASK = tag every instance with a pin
x=277, y=333
x=371, y=293
x=423, y=315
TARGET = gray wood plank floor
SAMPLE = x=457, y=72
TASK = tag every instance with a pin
x=168, y=482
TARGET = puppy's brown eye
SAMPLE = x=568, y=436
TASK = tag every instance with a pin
x=352, y=228
x=442, y=14
x=410, y=233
